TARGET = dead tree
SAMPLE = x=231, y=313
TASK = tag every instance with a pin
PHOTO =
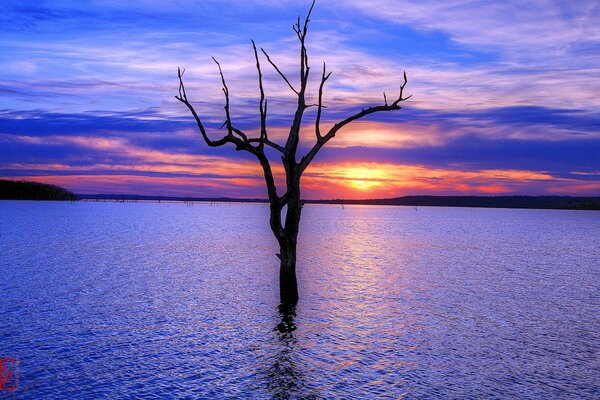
x=285, y=230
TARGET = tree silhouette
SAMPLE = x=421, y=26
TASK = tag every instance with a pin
x=285, y=230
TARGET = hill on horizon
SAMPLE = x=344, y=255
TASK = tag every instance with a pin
x=24, y=190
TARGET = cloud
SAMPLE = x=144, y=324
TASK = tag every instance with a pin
x=433, y=152
x=341, y=180
x=507, y=134
x=385, y=180
x=496, y=87
x=84, y=68
x=521, y=31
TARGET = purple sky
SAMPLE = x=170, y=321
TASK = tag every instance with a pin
x=505, y=95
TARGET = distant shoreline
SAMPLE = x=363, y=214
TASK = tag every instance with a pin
x=28, y=190
x=24, y=190
x=527, y=202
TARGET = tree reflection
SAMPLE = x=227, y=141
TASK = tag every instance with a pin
x=284, y=376
x=287, y=326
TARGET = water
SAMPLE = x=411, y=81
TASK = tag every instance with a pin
x=148, y=300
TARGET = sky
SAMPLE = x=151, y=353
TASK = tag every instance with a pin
x=504, y=95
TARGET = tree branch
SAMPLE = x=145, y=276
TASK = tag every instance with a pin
x=278, y=71
x=241, y=143
x=291, y=144
x=267, y=142
x=304, y=33
x=182, y=97
x=324, y=78
x=274, y=200
x=301, y=32
x=225, y=89
x=283, y=200
x=321, y=141
x=262, y=106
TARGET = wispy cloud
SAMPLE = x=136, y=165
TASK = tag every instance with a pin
x=497, y=87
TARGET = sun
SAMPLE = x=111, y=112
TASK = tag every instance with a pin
x=363, y=178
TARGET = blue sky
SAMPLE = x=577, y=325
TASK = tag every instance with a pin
x=504, y=95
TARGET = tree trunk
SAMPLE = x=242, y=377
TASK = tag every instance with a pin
x=288, y=284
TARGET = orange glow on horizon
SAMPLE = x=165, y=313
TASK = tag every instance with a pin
x=158, y=173
x=362, y=178
x=321, y=181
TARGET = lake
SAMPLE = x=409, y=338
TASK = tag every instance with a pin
x=164, y=300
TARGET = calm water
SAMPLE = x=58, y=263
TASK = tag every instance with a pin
x=107, y=300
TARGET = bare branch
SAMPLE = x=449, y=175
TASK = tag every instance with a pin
x=279, y=71
x=268, y=143
x=291, y=145
x=226, y=92
x=297, y=29
x=274, y=200
x=283, y=200
x=182, y=94
x=183, y=98
x=307, y=20
x=230, y=128
x=304, y=33
x=239, y=133
x=313, y=105
x=301, y=32
x=324, y=78
x=241, y=143
x=321, y=141
x=400, y=97
x=261, y=106
x=266, y=107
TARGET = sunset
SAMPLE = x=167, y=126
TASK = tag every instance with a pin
x=299, y=199
x=87, y=96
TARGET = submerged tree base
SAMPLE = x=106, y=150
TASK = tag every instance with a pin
x=288, y=286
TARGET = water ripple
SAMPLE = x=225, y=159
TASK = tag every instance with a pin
x=106, y=300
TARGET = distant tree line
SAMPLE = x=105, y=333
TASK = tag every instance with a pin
x=532, y=202
x=529, y=202
x=23, y=190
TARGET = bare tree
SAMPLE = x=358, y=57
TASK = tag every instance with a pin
x=285, y=230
